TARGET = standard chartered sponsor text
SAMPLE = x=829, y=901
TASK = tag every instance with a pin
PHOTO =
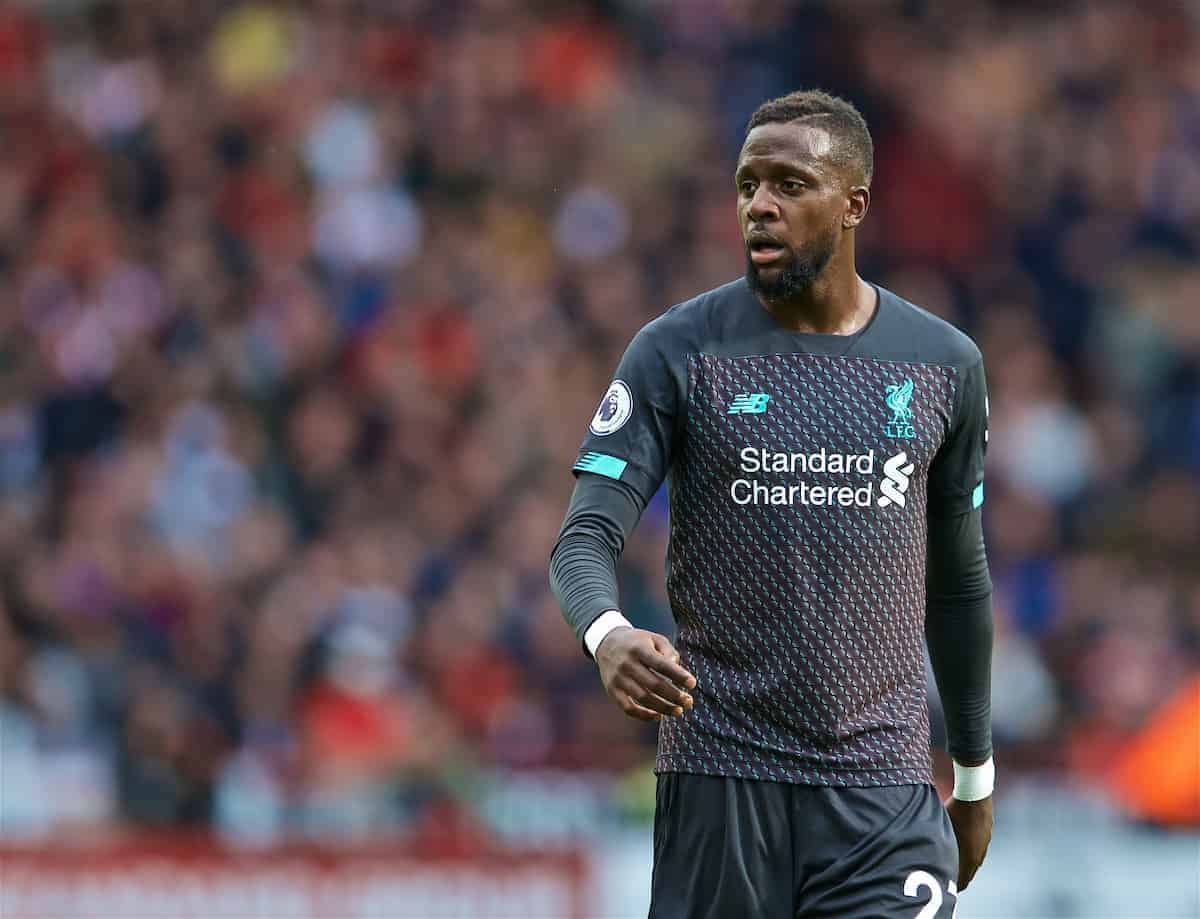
x=822, y=462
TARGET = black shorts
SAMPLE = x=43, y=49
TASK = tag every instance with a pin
x=728, y=848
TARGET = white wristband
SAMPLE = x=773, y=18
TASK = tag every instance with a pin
x=601, y=626
x=974, y=783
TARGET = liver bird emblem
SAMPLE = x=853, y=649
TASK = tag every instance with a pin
x=898, y=397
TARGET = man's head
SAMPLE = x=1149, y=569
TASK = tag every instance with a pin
x=803, y=180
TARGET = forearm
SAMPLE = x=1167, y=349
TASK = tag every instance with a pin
x=958, y=631
x=583, y=577
x=583, y=564
x=960, y=647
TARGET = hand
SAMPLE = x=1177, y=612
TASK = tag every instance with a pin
x=641, y=672
x=972, y=822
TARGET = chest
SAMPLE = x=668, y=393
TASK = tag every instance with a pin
x=814, y=430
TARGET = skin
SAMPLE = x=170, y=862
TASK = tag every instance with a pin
x=641, y=672
x=972, y=822
x=793, y=189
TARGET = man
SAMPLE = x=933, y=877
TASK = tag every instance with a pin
x=824, y=443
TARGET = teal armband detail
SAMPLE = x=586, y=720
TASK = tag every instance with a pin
x=601, y=464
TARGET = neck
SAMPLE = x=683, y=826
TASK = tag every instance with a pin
x=839, y=302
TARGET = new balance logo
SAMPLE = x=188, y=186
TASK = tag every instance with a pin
x=754, y=403
x=898, y=471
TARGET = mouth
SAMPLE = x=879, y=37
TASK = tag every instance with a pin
x=765, y=250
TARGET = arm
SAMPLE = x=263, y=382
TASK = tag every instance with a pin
x=640, y=670
x=958, y=630
x=583, y=564
x=621, y=463
x=958, y=619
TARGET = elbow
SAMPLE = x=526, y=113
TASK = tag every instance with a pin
x=575, y=548
x=975, y=597
x=970, y=587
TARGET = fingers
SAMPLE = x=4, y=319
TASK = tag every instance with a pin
x=648, y=690
x=967, y=869
x=656, y=688
x=646, y=679
x=665, y=659
x=633, y=710
x=972, y=822
x=636, y=703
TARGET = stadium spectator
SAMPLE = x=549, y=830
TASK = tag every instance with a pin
x=297, y=297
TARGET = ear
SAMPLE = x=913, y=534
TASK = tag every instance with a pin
x=857, y=201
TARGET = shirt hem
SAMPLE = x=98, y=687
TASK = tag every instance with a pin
x=825, y=777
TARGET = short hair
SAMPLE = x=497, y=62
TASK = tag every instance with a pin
x=852, y=139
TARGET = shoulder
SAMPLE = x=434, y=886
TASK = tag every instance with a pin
x=934, y=340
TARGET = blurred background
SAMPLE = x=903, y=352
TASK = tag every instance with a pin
x=304, y=309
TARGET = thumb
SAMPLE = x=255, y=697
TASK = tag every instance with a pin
x=663, y=646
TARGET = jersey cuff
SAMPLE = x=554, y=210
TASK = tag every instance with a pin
x=599, y=629
x=974, y=783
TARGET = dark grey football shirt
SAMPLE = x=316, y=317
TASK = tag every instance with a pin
x=803, y=471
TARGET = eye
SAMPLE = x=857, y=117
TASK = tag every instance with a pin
x=792, y=186
x=747, y=187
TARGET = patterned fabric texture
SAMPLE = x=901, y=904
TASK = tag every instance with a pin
x=803, y=621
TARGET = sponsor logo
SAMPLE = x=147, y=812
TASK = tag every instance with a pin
x=751, y=403
x=858, y=488
x=822, y=462
x=897, y=477
x=614, y=410
x=899, y=395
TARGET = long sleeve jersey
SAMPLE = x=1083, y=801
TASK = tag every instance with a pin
x=825, y=496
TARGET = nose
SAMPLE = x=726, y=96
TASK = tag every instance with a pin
x=762, y=206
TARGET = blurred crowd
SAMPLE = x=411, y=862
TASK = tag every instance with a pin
x=305, y=306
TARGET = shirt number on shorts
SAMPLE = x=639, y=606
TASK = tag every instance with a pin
x=919, y=879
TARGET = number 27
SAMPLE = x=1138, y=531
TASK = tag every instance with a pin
x=918, y=879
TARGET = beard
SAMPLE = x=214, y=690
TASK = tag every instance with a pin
x=798, y=277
